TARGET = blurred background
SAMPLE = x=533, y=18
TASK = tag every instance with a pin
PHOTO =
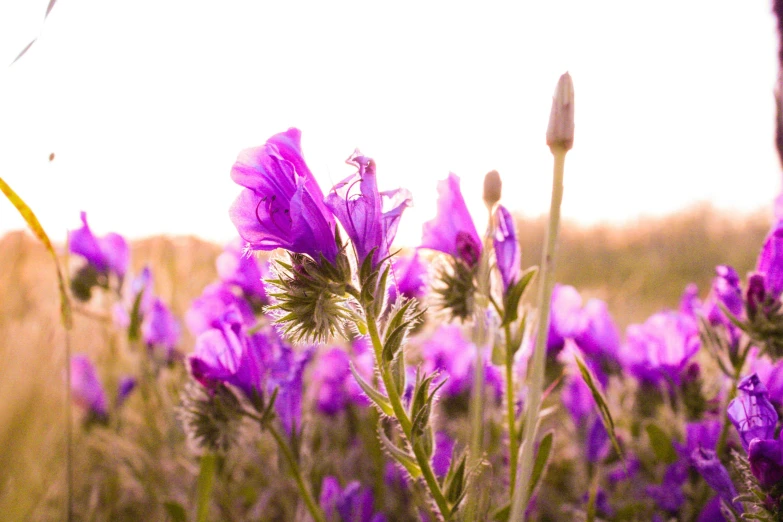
x=145, y=105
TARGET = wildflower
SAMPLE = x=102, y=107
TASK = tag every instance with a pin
x=207, y=310
x=452, y=231
x=770, y=262
x=766, y=461
x=124, y=388
x=281, y=205
x=160, y=328
x=286, y=373
x=107, y=254
x=86, y=388
x=752, y=414
x=410, y=278
x=243, y=271
x=726, y=291
x=715, y=474
x=441, y=458
x=350, y=504
x=362, y=215
x=507, y=251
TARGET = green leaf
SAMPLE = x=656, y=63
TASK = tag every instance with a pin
x=455, y=481
x=381, y=289
x=32, y=221
x=502, y=514
x=375, y=396
x=206, y=479
x=399, y=316
x=600, y=402
x=134, y=329
x=175, y=511
x=661, y=444
x=397, y=368
x=407, y=460
x=394, y=341
x=514, y=294
x=542, y=457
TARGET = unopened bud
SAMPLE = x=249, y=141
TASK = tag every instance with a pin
x=493, y=187
x=560, y=133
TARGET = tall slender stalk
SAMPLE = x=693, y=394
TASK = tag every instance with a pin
x=513, y=443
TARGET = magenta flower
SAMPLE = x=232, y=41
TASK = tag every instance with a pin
x=362, y=214
x=452, y=231
x=109, y=253
x=766, y=461
x=286, y=373
x=207, y=310
x=282, y=205
x=351, y=504
x=87, y=390
x=160, y=328
x=715, y=474
x=507, y=251
x=124, y=388
x=410, y=278
x=234, y=267
x=751, y=413
x=770, y=262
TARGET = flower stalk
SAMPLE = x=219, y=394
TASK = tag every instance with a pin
x=560, y=138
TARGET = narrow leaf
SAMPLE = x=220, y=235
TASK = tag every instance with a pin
x=512, y=297
x=206, y=479
x=29, y=216
x=542, y=457
x=375, y=396
x=600, y=402
x=394, y=341
x=661, y=444
x=407, y=460
x=175, y=512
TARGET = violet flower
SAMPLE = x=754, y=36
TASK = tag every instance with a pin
x=566, y=317
x=332, y=383
x=207, y=310
x=766, y=461
x=507, y=250
x=350, y=504
x=286, y=374
x=597, y=336
x=770, y=262
x=441, y=458
x=234, y=267
x=86, y=389
x=752, y=414
x=452, y=231
x=109, y=253
x=715, y=474
x=659, y=349
x=281, y=205
x=410, y=278
x=124, y=388
x=726, y=291
x=160, y=328
x=362, y=214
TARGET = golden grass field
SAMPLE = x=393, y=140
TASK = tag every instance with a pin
x=637, y=269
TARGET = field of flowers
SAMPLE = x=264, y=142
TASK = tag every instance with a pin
x=333, y=378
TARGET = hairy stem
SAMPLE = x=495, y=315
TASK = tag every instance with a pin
x=513, y=444
x=537, y=368
x=402, y=417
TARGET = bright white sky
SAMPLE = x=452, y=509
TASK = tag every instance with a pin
x=147, y=103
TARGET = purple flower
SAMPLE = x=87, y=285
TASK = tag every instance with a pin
x=452, y=231
x=410, y=278
x=709, y=466
x=441, y=458
x=352, y=504
x=566, y=317
x=752, y=414
x=597, y=337
x=668, y=495
x=282, y=205
x=109, y=253
x=226, y=354
x=659, y=349
x=711, y=511
x=766, y=461
x=207, y=310
x=86, y=388
x=286, y=374
x=726, y=291
x=124, y=388
x=332, y=383
x=770, y=262
x=507, y=250
x=689, y=303
x=771, y=375
x=243, y=271
x=362, y=215
x=160, y=328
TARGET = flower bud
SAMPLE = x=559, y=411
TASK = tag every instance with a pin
x=560, y=133
x=493, y=188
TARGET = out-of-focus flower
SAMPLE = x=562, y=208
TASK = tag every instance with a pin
x=281, y=205
x=689, y=302
x=332, y=382
x=109, y=253
x=124, y=388
x=566, y=317
x=362, y=214
x=669, y=496
x=449, y=352
x=286, y=373
x=234, y=267
x=441, y=458
x=452, y=231
x=715, y=474
x=726, y=291
x=207, y=310
x=160, y=328
x=87, y=390
x=752, y=414
x=351, y=504
x=660, y=349
x=711, y=511
x=770, y=262
x=507, y=250
x=597, y=337
x=410, y=278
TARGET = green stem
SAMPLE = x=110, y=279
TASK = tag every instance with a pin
x=538, y=364
x=315, y=511
x=402, y=417
x=513, y=444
